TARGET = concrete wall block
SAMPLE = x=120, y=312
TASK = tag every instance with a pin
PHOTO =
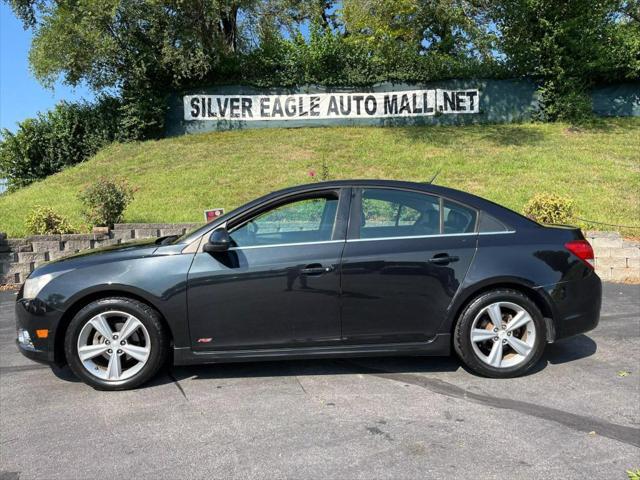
x=16, y=242
x=122, y=235
x=171, y=231
x=43, y=238
x=45, y=245
x=611, y=262
x=603, y=242
x=37, y=257
x=624, y=274
x=146, y=232
x=77, y=236
x=76, y=245
x=107, y=242
x=23, y=269
x=135, y=226
x=629, y=252
x=602, y=252
x=6, y=279
x=634, y=263
x=58, y=254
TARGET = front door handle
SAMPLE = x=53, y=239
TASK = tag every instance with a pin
x=315, y=269
x=443, y=259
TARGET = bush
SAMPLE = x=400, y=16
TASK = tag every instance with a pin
x=549, y=208
x=105, y=201
x=45, y=221
x=66, y=135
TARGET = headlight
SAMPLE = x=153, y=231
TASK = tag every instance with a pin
x=32, y=286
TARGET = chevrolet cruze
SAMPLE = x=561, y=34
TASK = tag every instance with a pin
x=334, y=269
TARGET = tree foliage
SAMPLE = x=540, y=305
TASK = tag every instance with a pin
x=142, y=50
x=66, y=135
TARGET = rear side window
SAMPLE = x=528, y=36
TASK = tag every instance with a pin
x=396, y=213
x=458, y=218
x=489, y=224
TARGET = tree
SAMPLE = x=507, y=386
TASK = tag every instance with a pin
x=568, y=45
x=136, y=47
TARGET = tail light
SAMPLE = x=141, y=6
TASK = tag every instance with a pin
x=581, y=249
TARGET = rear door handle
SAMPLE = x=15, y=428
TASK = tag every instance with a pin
x=315, y=269
x=443, y=259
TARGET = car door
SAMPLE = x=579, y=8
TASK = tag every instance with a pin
x=406, y=255
x=278, y=285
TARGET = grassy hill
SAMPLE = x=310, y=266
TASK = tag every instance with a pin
x=179, y=177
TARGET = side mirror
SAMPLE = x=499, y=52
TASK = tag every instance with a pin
x=219, y=241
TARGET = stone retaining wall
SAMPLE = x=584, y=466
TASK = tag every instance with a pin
x=617, y=259
x=19, y=256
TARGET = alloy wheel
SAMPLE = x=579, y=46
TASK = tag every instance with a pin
x=113, y=346
x=503, y=335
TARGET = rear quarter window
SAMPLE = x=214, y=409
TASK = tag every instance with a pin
x=490, y=224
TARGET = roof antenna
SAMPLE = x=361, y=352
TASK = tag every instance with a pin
x=434, y=177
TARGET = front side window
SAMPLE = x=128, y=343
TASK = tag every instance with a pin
x=397, y=213
x=301, y=221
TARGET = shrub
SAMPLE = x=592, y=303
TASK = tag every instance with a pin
x=105, y=201
x=45, y=221
x=549, y=208
x=66, y=135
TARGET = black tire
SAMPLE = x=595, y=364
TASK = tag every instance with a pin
x=462, y=335
x=151, y=320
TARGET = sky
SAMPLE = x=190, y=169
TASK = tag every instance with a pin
x=21, y=96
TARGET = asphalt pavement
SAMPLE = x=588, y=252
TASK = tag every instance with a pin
x=577, y=415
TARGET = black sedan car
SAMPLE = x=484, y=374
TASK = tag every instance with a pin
x=334, y=269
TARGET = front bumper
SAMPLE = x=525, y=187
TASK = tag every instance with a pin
x=32, y=315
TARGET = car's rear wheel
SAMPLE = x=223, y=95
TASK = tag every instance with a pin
x=116, y=343
x=500, y=334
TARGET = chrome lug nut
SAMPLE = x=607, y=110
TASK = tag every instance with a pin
x=115, y=337
x=122, y=342
x=495, y=339
x=109, y=351
x=107, y=342
x=119, y=352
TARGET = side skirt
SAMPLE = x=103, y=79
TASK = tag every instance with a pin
x=439, y=345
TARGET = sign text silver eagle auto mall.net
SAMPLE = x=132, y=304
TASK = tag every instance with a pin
x=411, y=103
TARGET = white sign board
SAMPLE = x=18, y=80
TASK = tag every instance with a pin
x=320, y=106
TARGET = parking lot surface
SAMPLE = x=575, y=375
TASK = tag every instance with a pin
x=576, y=416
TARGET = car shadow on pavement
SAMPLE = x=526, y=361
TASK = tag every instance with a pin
x=565, y=351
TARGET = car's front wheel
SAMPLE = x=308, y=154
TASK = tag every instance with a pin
x=500, y=334
x=116, y=343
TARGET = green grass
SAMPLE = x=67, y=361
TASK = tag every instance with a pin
x=598, y=167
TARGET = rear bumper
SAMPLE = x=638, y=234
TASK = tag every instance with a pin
x=575, y=304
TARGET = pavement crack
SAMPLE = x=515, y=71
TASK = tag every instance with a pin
x=22, y=368
x=617, y=316
x=582, y=423
x=301, y=386
x=177, y=384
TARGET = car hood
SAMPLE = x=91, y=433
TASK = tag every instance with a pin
x=112, y=253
